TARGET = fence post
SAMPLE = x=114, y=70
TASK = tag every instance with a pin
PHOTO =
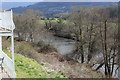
x=12, y=41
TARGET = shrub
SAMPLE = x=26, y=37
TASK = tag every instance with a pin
x=45, y=47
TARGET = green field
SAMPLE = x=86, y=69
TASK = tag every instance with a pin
x=63, y=21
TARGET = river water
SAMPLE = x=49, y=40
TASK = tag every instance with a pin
x=63, y=45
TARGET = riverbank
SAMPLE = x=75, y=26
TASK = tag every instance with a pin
x=53, y=62
x=72, y=69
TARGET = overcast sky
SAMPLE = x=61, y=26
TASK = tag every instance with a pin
x=59, y=0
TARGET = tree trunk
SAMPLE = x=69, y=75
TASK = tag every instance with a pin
x=90, y=44
x=81, y=46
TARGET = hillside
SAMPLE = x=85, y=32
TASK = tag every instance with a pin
x=51, y=8
x=29, y=68
x=46, y=65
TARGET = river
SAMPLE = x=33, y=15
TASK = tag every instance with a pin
x=63, y=45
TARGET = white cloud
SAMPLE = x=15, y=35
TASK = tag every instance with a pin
x=59, y=0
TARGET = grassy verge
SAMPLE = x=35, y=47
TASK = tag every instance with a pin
x=29, y=68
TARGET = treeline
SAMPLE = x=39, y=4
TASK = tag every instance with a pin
x=94, y=30
x=28, y=27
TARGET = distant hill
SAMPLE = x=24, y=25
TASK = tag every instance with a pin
x=51, y=8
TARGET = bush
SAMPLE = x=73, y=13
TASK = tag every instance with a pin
x=25, y=49
x=45, y=47
x=18, y=39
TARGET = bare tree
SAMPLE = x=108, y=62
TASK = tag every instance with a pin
x=77, y=18
x=27, y=24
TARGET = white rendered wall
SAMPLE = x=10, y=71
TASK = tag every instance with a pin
x=0, y=42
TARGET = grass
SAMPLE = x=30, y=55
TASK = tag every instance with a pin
x=29, y=68
x=6, y=52
x=64, y=21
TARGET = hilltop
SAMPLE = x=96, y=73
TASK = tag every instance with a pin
x=51, y=8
